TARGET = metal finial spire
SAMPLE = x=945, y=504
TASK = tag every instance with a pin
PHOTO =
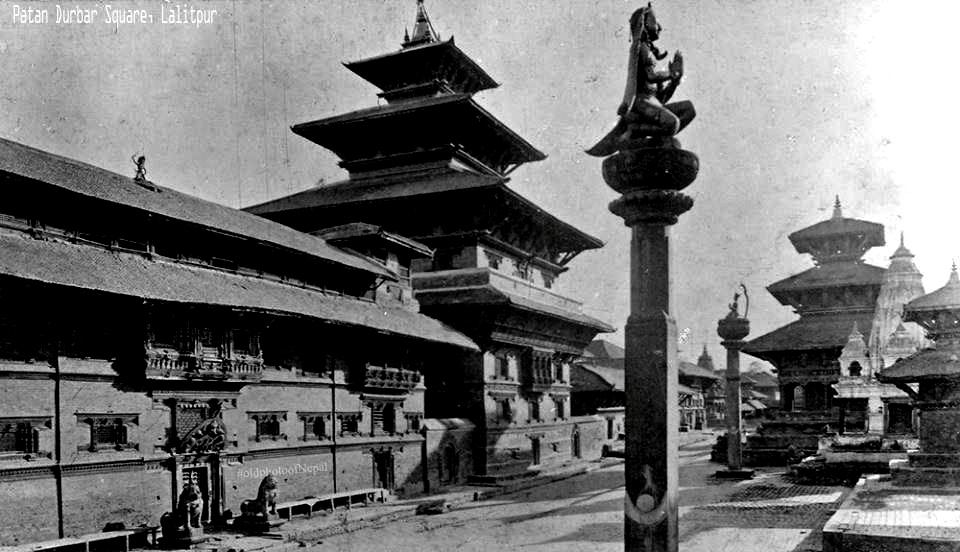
x=837, y=210
x=423, y=30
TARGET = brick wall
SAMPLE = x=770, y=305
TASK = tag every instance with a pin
x=90, y=501
x=28, y=510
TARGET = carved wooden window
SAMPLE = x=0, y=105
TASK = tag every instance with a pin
x=557, y=371
x=414, y=421
x=349, y=423
x=384, y=417
x=209, y=342
x=245, y=342
x=316, y=425
x=533, y=404
x=109, y=431
x=267, y=425
x=21, y=435
x=548, y=280
x=493, y=260
x=188, y=416
x=501, y=367
x=559, y=405
x=523, y=271
x=504, y=410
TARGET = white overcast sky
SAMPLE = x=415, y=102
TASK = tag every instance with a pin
x=798, y=101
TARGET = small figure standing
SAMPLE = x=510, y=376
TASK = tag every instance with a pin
x=141, y=163
x=646, y=119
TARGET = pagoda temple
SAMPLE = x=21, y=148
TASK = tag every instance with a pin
x=834, y=298
x=431, y=164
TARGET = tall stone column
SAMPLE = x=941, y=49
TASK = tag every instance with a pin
x=732, y=330
x=650, y=180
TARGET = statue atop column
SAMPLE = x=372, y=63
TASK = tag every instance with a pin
x=646, y=117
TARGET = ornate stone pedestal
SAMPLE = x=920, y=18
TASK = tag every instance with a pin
x=650, y=180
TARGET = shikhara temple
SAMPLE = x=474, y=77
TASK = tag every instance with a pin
x=401, y=330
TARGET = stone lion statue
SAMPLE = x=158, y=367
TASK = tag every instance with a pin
x=190, y=505
x=185, y=522
x=266, y=501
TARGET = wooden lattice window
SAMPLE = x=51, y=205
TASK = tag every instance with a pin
x=384, y=417
x=505, y=412
x=560, y=406
x=414, y=421
x=21, y=435
x=501, y=367
x=533, y=404
x=349, y=423
x=316, y=425
x=109, y=431
x=267, y=425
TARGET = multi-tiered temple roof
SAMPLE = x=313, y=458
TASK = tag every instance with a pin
x=838, y=293
x=430, y=148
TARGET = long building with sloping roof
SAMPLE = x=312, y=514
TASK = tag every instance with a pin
x=152, y=342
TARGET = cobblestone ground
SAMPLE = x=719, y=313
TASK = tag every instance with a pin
x=767, y=514
x=768, y=502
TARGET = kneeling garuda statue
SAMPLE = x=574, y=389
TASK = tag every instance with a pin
x=646, y=117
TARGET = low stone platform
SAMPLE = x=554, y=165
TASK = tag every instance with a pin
x=880, y=517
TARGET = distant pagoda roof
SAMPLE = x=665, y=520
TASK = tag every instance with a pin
x=830, y=275
x=943, y=299
x=839, y=238
x=938, y=312
x=810, y=332
x=924, y=365
x=389, y=131
x=692, y=370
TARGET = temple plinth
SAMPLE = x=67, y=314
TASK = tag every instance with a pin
x=650, y=203
x=732, y=329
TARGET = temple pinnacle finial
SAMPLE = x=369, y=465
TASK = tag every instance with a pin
x=901, y=238
x=837, y=210
x=423, y=31
x=954, y=279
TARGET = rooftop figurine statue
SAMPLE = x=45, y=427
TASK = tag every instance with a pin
x=646, y=119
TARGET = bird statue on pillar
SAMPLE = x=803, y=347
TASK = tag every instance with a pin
x=646, y=119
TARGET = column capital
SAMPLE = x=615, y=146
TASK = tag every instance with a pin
x=732, y=330
x=661, y=207
x=650, y=179
x=733, y=344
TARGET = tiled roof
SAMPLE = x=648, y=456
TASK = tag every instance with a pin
x=812, y=331
x=95, y=182
x=831, y=275
x=927, y=364
x=392, y=188
x=690, y=369
x=133, y=275
x=603, y=349
x=947, y=297
x=613, y=376
x=838, y=226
